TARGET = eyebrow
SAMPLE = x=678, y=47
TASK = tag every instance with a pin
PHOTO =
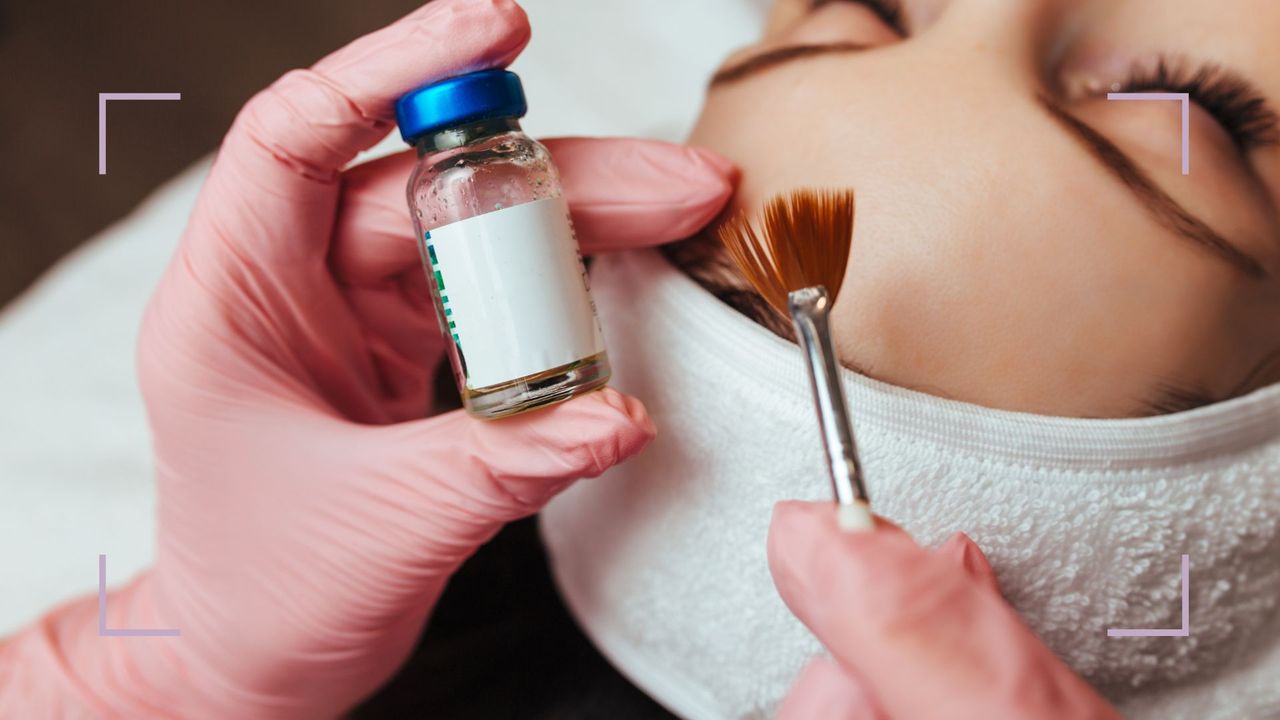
x=1167, y=211
x=763, y=61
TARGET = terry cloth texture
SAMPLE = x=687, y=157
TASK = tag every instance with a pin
x=662, y=561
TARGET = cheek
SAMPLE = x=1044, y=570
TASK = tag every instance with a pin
x=790, y=130
x=1029, y=306
x=772, y=148
x=1004, y=269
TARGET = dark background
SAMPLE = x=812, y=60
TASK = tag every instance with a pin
x=57, y=55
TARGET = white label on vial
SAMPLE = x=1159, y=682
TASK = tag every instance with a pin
x=514, y=291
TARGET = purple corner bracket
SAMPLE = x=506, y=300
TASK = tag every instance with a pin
x=1185, y=99
x=105, y=631
x=102, y=118
x=1183, y=631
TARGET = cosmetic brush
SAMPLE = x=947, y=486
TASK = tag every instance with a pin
x=796, y=262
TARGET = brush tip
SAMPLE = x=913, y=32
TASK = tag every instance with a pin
x=802, y=240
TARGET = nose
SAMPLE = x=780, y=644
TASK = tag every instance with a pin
x=1024, y=35
x=966, y=63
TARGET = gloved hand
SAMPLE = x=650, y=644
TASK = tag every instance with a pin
x=308, y=519
x=914, y=635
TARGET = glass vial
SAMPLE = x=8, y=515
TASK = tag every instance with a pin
x=508, y=283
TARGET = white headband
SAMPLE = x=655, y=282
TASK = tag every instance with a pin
x=662, y=560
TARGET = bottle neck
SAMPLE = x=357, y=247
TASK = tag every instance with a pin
x=464, y=134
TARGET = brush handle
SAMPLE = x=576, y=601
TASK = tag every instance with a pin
x=810, y=308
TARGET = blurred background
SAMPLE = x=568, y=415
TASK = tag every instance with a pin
x=57, y=55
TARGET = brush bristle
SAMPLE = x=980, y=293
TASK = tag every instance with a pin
x=804, y=241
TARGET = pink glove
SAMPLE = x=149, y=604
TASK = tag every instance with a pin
x=303, y=537
x=914, y=635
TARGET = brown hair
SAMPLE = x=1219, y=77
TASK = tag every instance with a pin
x=707, y=262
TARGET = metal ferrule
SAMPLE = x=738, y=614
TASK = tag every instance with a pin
x=810, y=308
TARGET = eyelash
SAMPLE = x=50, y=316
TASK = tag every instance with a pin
x=889, y=11
x=1226, y=97
x=1244, y=115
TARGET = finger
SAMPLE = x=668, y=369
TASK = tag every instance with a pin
x=373, y=238
x=622, y=193
x=826, y=690
x=928, y=640
x=312, y=122
x=961, y=550
x=470, y=476
x=529, y=453
x=275, y=175
x=403, y=339
x=635, y=193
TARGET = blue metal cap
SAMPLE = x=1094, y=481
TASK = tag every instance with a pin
x=459, y=100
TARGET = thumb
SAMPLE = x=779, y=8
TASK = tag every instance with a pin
x=928, y=639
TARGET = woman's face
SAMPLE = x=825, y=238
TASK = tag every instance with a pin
x=1022, y=242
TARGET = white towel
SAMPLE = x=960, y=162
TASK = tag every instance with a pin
x=662, y=560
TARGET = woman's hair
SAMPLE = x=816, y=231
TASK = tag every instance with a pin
x=706, y=260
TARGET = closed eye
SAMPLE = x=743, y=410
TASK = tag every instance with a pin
x=1231, y=99
x=889, y=12
x=1236, y=106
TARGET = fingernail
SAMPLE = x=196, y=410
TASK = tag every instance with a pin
x=952, y=547
x=629, y=406
x=793, y=539
x=637, y=412
x=722, y=164
x=965, y=552
x=961, y=550
x=855, y=517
